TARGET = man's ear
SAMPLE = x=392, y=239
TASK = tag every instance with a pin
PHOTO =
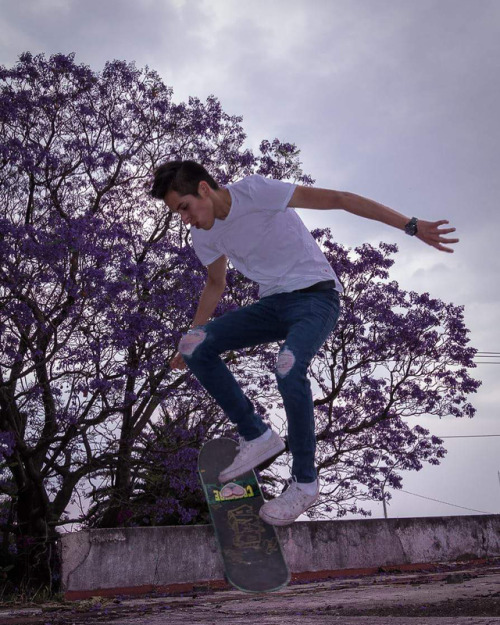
x=203, y=188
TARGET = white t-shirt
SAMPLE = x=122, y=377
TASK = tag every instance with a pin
x=264, y=239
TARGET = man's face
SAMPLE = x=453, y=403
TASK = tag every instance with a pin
x=194, y=210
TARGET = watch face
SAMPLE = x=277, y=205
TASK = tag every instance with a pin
x=411, y=227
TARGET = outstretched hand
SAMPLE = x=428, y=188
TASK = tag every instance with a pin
x=430, y=232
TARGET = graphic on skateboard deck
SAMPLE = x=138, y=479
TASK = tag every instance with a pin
x=252, y=555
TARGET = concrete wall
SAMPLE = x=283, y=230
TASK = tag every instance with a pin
x=144, y=558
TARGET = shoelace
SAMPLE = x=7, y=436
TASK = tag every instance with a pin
x=243, y=444
x=288, y=483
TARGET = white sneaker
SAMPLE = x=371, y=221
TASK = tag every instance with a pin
x=252, y=454
x=289, y=505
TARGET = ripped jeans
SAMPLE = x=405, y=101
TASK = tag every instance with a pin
x=303, y=321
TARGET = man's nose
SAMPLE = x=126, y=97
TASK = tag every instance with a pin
x=185, y=219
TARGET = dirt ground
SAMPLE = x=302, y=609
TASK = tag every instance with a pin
x=447, y=594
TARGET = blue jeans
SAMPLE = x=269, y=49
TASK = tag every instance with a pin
x=303, y=321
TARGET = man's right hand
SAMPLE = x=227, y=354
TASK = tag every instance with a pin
x=177, y=362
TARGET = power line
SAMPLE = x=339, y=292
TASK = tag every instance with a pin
x=469, y=436
x=481, y=357
x=445, y=502
x=493, y=355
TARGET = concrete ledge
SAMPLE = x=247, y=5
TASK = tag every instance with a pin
x=110, y=561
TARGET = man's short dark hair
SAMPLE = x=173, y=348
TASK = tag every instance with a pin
x=181, y=176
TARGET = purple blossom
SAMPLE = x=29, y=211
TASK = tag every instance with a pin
x=7, y=444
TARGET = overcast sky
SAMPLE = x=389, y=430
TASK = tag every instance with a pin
x=397, y=100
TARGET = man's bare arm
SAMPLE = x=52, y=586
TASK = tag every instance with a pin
x=210, y=297
x=429, y=232
x=211, y=294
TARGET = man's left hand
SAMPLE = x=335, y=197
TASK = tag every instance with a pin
x=433, y=234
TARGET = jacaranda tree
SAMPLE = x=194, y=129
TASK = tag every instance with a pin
x=98, y=282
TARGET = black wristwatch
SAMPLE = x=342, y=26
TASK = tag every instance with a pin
x=411, y=227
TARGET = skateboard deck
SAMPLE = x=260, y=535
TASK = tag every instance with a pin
x=252, y=555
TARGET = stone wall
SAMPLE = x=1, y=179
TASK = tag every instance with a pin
x=142, y=559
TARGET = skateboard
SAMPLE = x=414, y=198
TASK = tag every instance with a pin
x=252, y=555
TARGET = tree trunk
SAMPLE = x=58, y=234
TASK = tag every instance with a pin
x=117, y=509
x=37, y=563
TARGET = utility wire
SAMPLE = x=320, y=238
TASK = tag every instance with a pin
x=494, y=358
x=493, y=355
x=469, y=436
x=444, y=502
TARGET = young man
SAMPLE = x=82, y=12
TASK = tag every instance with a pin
x=253, y=224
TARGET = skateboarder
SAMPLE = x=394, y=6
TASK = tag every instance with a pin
x=252, y=223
